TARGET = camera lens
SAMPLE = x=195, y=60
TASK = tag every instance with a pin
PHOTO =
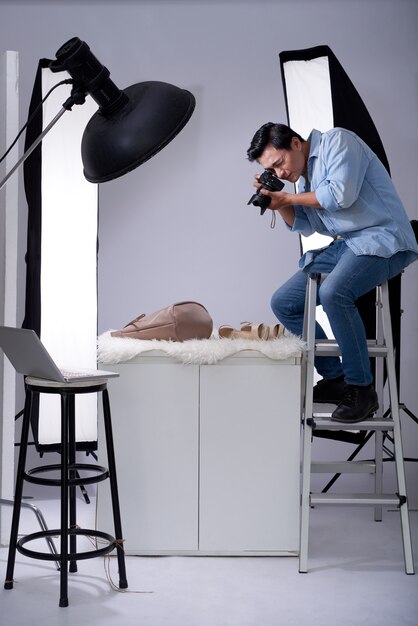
x=261, y=200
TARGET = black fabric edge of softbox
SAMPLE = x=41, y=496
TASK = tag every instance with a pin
x=32, y=169
x=32, y=179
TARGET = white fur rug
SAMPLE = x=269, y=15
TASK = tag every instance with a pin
x=113, y=350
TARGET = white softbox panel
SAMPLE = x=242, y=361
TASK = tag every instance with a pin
x=309, y=105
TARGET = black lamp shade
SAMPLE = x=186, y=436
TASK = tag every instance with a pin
x=154, y=114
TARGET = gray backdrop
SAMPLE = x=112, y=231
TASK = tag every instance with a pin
x=179, y=227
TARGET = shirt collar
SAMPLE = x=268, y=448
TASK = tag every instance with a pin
x=314, y=142
x=314, y=139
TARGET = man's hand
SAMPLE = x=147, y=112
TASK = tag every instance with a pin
x=282, y=199
x=279, y=201
x=284, y=202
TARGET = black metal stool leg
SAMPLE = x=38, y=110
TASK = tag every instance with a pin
x=73, y=474
x=8, y=583
x=123, y=583
x=64, y=501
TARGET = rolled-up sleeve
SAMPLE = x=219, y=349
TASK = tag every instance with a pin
x=344, y=170
x=301, y=224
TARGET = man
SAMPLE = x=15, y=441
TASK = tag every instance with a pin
x=344, y=191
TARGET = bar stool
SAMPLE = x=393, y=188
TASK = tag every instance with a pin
x=69, y=479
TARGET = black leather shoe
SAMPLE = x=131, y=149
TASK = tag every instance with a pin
x=329, y=390
x=358, y=404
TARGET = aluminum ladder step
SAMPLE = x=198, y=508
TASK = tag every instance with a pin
x=317, y=422
x=343, y=467
x=356, y=499
x=328, y=347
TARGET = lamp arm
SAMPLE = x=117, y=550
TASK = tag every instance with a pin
x=33, y=146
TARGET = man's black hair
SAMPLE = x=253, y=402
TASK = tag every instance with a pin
x=278, y=135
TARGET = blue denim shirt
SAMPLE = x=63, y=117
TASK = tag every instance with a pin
x=358, y=200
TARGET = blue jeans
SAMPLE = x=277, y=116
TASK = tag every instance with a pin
x=348, y=277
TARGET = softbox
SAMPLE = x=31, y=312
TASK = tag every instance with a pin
x=61, y=258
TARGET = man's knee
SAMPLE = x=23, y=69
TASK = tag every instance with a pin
x=277, y=302
x=284, y=306
x=332, y=295
x=324, y=295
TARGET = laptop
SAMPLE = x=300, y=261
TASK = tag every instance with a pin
x=29, y=356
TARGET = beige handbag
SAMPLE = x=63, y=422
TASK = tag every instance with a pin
x=177, y=322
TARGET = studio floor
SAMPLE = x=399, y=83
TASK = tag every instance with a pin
x=356, y=576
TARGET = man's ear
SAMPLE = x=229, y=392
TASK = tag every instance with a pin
x=296, y=143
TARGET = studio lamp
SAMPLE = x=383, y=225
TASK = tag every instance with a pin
x=130, y=126
x=124, y=130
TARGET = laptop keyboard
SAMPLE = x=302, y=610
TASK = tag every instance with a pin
x=77, y=373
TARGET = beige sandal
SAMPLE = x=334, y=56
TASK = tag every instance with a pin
x=264, y=331
x=275, y=331
x=256, y=331
x=248, y=331
x=252, y=331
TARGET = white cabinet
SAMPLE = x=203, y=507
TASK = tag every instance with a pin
x=249, y=456
x=207, y=456
x=154, y=405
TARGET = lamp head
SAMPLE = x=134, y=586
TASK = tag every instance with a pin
x=131, y=125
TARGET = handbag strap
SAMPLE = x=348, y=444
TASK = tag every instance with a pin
x=132, y=323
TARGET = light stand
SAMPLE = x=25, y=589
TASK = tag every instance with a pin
x=32, y=147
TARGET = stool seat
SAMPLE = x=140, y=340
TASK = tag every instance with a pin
x=67, y=480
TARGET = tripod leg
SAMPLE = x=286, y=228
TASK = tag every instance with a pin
x=8, y=583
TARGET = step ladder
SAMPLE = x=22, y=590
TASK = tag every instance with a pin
x=312, y=421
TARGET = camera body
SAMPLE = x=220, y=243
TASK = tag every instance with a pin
x=268, y=181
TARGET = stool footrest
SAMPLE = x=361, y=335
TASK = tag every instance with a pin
x=112, y=543
x=101, y=474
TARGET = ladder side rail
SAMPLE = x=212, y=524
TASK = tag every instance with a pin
x=394, y=404
x=379, y=387
x=309, y=330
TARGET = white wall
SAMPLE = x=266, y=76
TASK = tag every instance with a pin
x=178, y=227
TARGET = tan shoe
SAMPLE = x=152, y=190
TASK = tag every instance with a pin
x=257, y=331
x=275, y=331
x=248, y=331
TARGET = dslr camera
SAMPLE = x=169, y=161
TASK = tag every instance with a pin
x=268, y=181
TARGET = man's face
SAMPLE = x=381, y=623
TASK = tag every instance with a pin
x=286, y=164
